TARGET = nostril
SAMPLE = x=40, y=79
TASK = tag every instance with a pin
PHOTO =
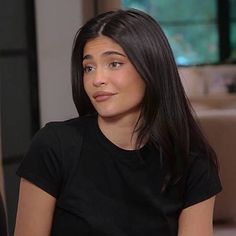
x=99, y=79
x=98, y=83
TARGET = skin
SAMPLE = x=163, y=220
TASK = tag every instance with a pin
x=107, y=70
x=116, y=91
x=35, y=211
x=197, y=219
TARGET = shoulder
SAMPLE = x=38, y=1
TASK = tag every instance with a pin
x=77, y=124
x=64, y=130
x=201, y=161
x=52, y=154
x=61, y=135
x=202, y=179
x=200, y=164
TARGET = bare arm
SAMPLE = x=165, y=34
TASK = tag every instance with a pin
x=197, y=219
x=35, y=211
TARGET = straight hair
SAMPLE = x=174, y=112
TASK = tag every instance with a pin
x=166, y=114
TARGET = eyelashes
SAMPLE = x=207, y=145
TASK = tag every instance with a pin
x=88, y=69
x=112, y=65
x=115, y=64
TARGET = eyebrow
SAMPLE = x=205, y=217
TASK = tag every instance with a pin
x=107, y=53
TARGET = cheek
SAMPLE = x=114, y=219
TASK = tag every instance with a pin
x=86, y=87
x=139, y=89
x=137, y=86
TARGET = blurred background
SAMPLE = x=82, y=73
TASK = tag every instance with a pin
x=36, y=39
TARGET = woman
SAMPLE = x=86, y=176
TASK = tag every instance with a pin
x=135, y=162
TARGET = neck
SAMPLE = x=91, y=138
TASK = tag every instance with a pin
x=120, y=131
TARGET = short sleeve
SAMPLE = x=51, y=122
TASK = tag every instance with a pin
x=42, y=164
x=202, y=181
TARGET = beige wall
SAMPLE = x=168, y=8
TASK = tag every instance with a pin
x=102, y=6
x=57, y=22
x=107, y=5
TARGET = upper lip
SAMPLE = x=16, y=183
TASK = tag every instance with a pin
x=102, y=93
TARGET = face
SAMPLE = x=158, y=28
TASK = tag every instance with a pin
x=110, y=80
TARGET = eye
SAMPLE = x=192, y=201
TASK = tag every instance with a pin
x=88, y=69
x=115, y=64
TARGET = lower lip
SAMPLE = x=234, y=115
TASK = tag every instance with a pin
x=102, y=98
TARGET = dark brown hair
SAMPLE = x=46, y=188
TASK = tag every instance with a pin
x=166, y=114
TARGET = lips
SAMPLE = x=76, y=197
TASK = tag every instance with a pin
x=101, y=96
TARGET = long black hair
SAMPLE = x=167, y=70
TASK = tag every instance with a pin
x=167, y=118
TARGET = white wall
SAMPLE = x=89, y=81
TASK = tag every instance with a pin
x=56, y=22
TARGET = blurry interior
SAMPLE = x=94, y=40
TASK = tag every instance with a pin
x=35, y=47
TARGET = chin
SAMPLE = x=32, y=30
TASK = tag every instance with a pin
x=108, y=114
x=118, y=113
x=106, y=111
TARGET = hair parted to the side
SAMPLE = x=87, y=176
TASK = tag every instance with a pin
x=166, y=115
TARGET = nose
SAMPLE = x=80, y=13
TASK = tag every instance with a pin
x=100, y=78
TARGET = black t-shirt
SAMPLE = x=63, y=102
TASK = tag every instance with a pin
x=104, y=190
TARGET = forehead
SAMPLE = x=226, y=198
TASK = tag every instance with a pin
x=101, y=44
